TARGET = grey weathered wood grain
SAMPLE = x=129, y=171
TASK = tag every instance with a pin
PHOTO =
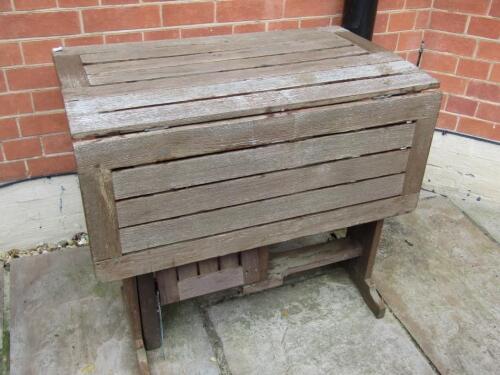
x=187, y=270
x=251, y=104
x=205, y=169
x=249, y=238
x=70, y=71
x=359, y=41
x=257, y=213
x=247, y=86
x=191, y=140
x=208, y=266
x=229, y=261
x=145, y=209
x=167, y=285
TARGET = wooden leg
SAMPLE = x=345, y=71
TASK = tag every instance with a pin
x=255, y=264
x=150, y=317
x=361, y=268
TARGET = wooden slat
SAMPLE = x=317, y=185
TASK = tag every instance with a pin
x=100, y=212
x=193, y=70
x=250, y=264
x=424, y=130
x=229, y=261
x=249, y=238
x=208, y=266
x=245, y=86
x=359, y=41
x=150, y=147
x=252, y=104
x=70, y=71
x=201, y=170
x=257, y=213
x=211, y=282
x=281, y=48
x=229, y=193
x=133, y=91
x=186, y=271
x=167, y=285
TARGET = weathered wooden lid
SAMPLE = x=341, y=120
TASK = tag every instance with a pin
x=113, y=89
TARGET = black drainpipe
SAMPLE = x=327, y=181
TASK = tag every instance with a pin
x=359, y=17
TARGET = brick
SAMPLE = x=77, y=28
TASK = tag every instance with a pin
x=414, y=4
x=452, y=22
x=484, y=27
x=489, y=51
x=22, y=148
x=381, y=21
x=10, y=54
x=48, y=100
x=490, y=112
x=8, y=129
x=315, y=22
x=123, y=38
x=57, y=143
x=118, y=2
x=447, y=121
x=176, y=14
x=423, y=19
x=118, y=18
x=34, y=4
x=412, y=57
x=14, y=104
x=43, y=124
x=39, y=52
x=162, y=34
x=5, y=5
x=304, y=8
x=409, y=40
x=249, y=28
x=495, y=8
x=12, y=171
x=77, y=3
x=51, y=165
x=449, y=43
x=483, y=90
x=464, y=6
x=337, y=20
x=32, y=78
x=478, y=128
x=438, y=62
x=462, y=106
x=283, y=25
x=84, y=41
x=401, y=21
x=3, y=82
x=248, y=10
x=390, y=4
x=26, y=25
x=473, y=69
x=206, y=31
x=387, y=41
x=495, y=73
x=451, y=84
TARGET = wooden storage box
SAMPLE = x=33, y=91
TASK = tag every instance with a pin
x=193, y=150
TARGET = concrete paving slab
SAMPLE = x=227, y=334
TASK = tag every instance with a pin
x=63, y=321
x=439, y=273
x=187, y=349
x=318, y=326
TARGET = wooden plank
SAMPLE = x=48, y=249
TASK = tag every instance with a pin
x=144, y=50
x=197, y=68
x=129, y=290
x=249, y=238
x=246, y=105
x=134, y=91
x=96, y=186
x=245, y=85
x=424, y=130
x=281, y=48
x=175, y=203
x=192, y=140
x=167, y=285
x=205, y=169
x=186, y=271
x=257, y=213
x=208, y=266
x=70, y=71
x=150, y=318
x=250, y=265
x=229, y=261
x=359, y=41
x=211, y=282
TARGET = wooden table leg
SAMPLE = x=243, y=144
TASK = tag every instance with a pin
x=150, y=317
x=361, y=268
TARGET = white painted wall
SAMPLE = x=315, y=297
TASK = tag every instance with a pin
x=43, y=210
x=50, y=209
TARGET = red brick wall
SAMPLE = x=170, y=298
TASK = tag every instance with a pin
x=34, y=139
